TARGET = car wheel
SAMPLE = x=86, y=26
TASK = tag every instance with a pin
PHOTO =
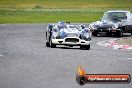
x=94, y=33
x=47, y=44
x=85, y=47
x=81, y=47
x=52, y=45
x=119, y=33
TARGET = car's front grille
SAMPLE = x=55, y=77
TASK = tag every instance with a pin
x=104, y=28
x=72, y=40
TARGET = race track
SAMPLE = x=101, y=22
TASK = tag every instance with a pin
x=25, y=61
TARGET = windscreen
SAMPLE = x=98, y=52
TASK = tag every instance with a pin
x=115, y=16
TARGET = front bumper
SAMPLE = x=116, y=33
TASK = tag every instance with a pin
x=106, y=30
x=76, y=41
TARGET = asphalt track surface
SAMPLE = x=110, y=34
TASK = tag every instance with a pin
x=25, y=61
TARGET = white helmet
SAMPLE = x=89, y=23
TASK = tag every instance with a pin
x=61, y=24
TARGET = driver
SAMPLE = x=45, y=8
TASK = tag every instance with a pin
x=114, y=17
x=82, y=26
x=61, y=25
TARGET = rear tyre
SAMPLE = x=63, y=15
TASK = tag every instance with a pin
x=87, y=47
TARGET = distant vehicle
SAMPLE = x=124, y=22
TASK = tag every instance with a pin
x=113, y=22
x=69, y=35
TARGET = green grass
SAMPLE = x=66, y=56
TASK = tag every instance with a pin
x=21, y=16
x=45, y=11
x=22, y=4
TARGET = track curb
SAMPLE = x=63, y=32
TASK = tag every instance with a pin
x=113, y=44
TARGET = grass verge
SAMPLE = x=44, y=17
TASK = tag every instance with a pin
x=45, y=11
x=46, y=16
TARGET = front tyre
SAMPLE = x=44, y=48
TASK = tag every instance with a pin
x=85, y=47
x=94, y=33
x=119, y=33
x=52, y=45
x=47, y=44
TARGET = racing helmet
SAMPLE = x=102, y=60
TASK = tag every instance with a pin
x=61, y=25
x=83, y=26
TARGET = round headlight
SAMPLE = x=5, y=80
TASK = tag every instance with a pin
x=92, y=27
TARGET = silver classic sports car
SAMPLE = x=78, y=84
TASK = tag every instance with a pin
x=113, y=22
x=69, y=35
